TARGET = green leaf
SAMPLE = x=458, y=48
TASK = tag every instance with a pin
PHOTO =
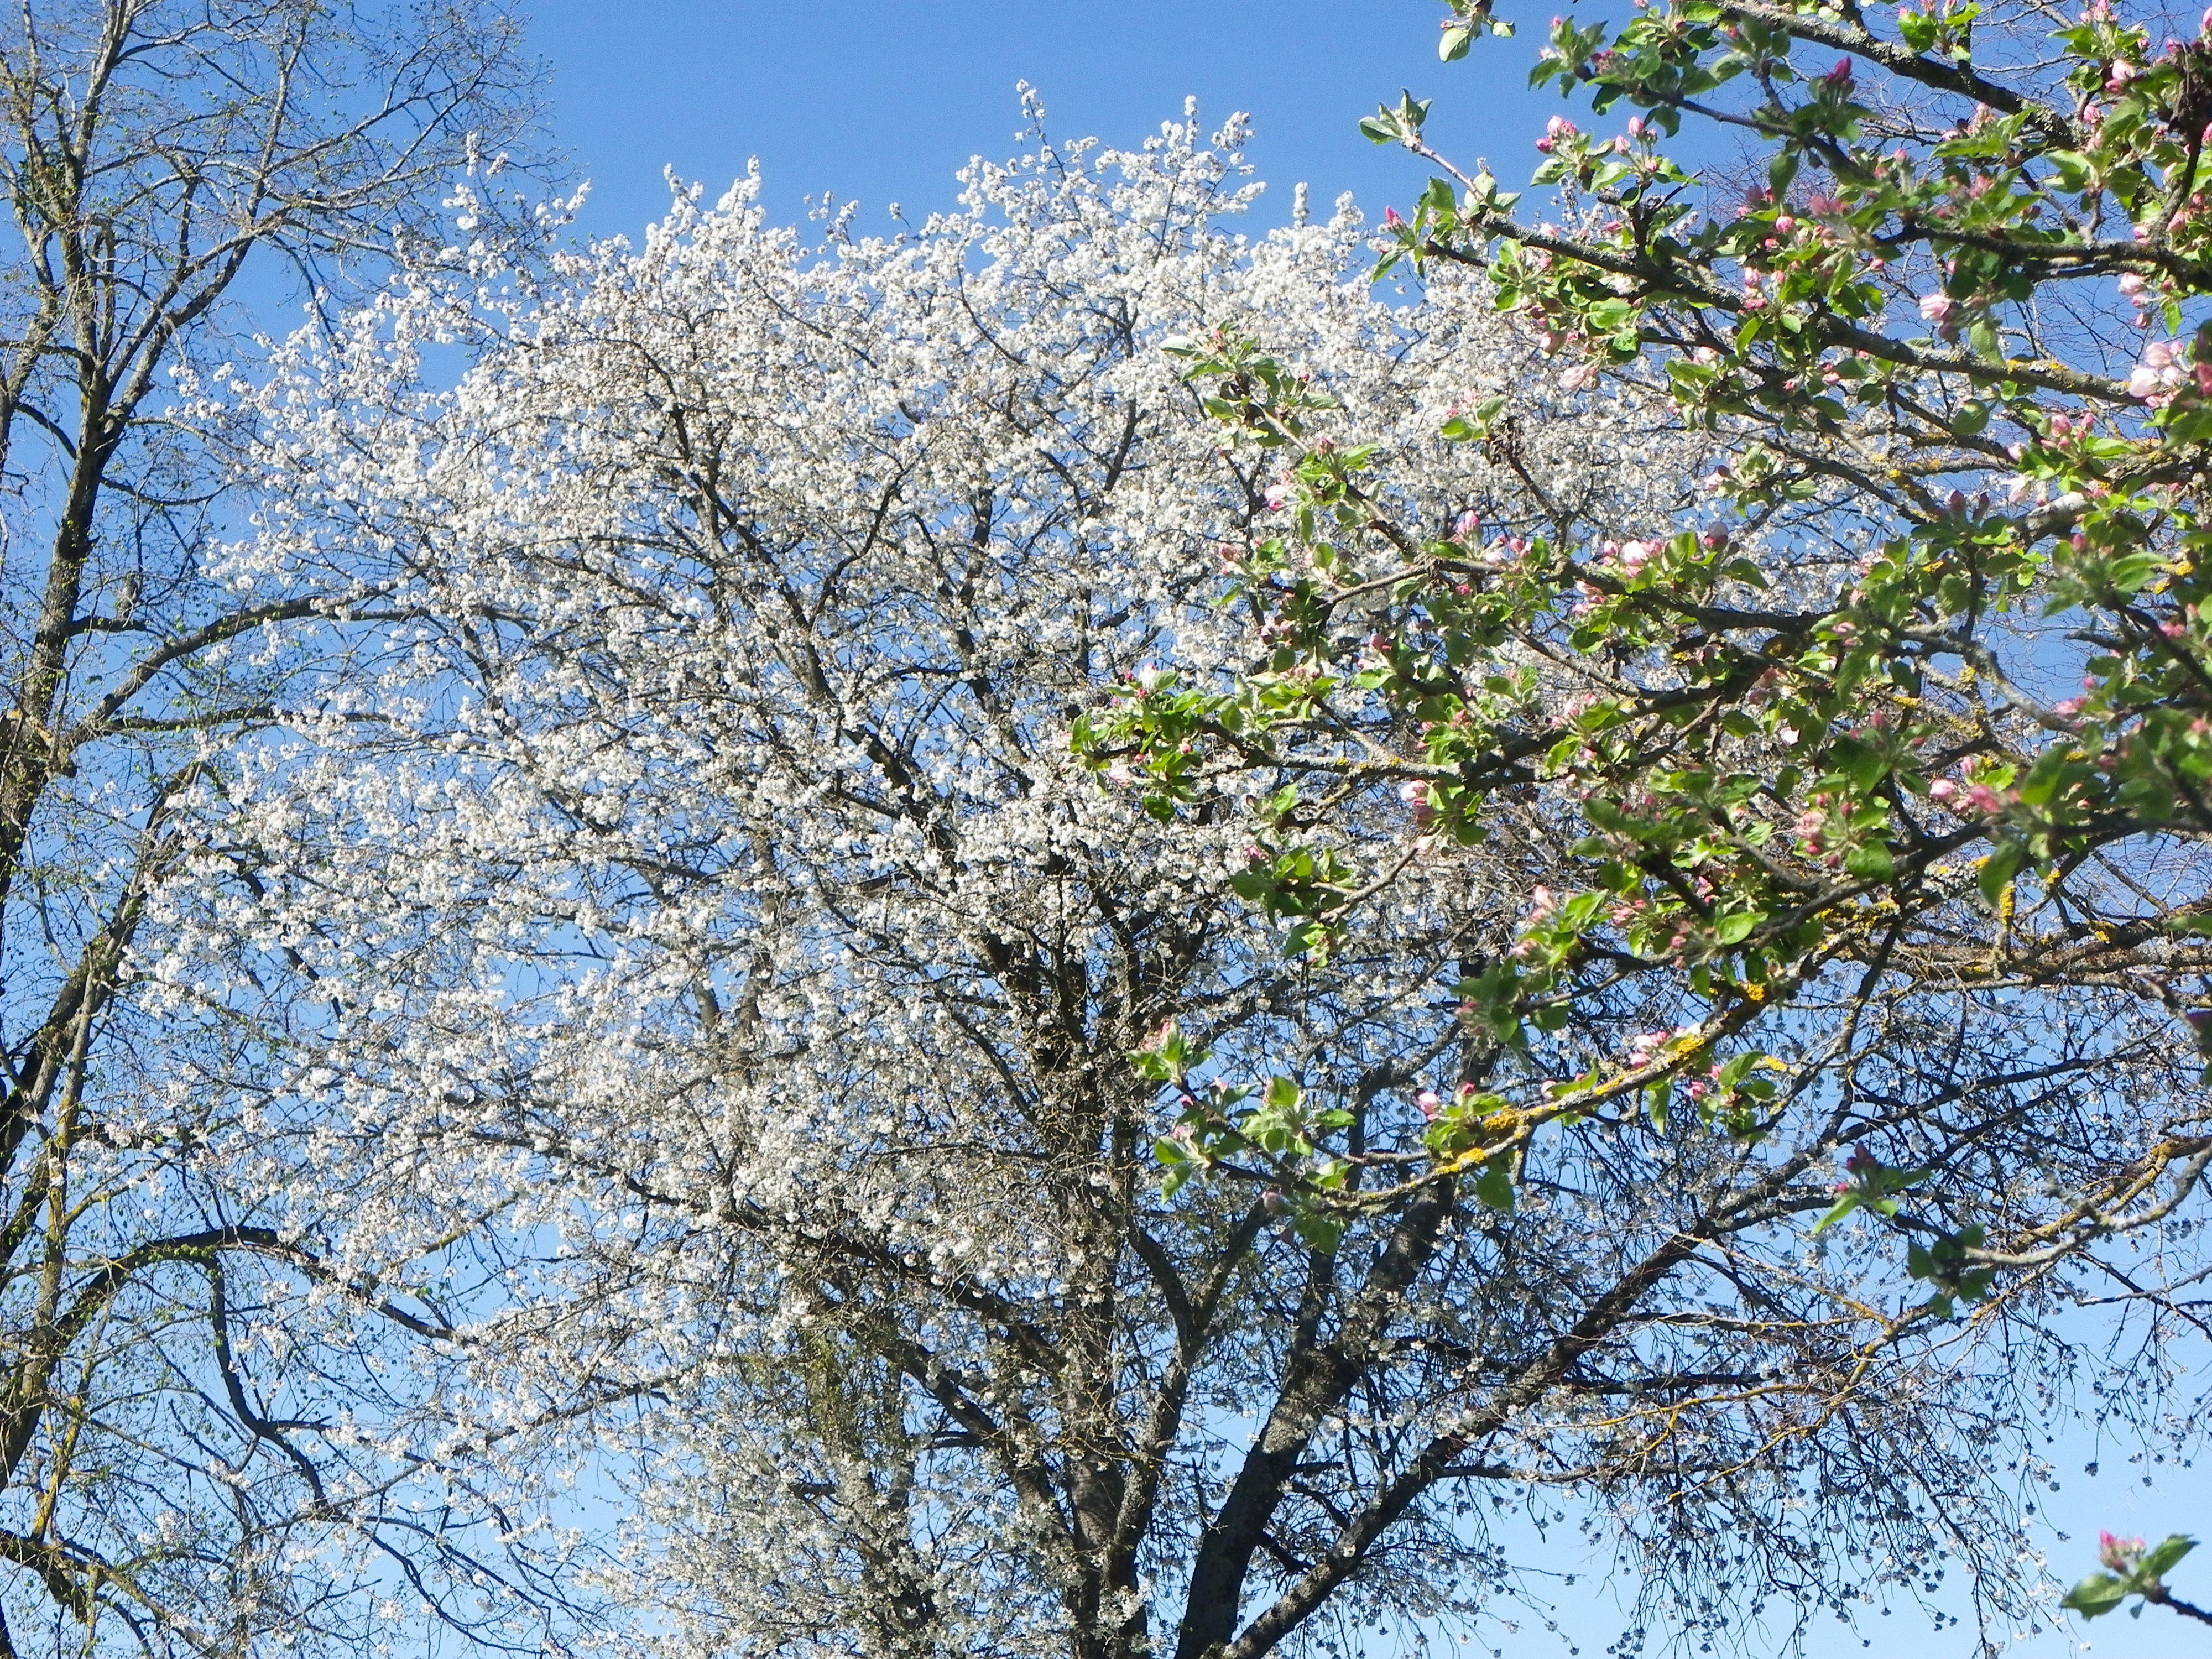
x=1842, y=1207
x=1736, y=928
x=2095, y=1595
x=1454, y=44
x=1494, y=1186
x=1253, y=884
x=2166, y=1555
x=1282, y=1094
x=2187, y=423
x=1862, y=763
x=1578, y=912
x=2127, y=574
x=1608, y=315
x=2073, y=168
x=2043, y=777
x=1871, y=862
x=1999, y=868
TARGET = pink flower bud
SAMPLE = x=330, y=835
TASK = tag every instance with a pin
x=1419, y=803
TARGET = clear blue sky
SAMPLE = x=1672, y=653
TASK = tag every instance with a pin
x=884, y=101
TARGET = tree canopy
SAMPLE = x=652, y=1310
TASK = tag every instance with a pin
x=161, y=161
x=1068, y=934
x=1880, y=774
x=795, y=1053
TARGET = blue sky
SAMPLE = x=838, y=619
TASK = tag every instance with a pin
x=884, y=101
